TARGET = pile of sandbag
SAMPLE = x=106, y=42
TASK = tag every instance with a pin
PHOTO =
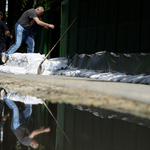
x=26, y=99
x=28, y=63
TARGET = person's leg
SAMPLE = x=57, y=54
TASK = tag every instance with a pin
x=25, y=115
x=27, y=111
x=2, y=48
x=29, y=40
x=15, y=123
x=19, y=36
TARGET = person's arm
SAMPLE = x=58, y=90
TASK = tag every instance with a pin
x=38, y=131
x=41, y=23
x=4, y=118
x=8, y=34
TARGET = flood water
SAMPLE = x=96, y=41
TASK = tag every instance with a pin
x=84, y=128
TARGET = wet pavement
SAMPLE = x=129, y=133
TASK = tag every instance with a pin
x=39, y=117
x=123, y=97
x=135, y=92
x=94, y=115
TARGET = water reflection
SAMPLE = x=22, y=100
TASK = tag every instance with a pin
x=20, y=124
x=100, y=129
x=87, y=128
x=29, y=125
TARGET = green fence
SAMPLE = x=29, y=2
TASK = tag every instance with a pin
x=105, y=25
x=87, y=131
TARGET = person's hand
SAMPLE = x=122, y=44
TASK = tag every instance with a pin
x=42, y=128
x=8, y=114
x=11, y=37
x=47, y=129
x=4, y=118
x=51, y=26
x=46, y=27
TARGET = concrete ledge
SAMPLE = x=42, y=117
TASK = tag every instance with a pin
x=121, y=97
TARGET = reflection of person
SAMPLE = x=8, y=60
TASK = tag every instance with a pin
x=23, y=32
x=4, y=118
x=19, y=124
x=3, y=30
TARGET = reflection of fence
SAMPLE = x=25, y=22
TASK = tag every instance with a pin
x=89, y=132
x=114, y=26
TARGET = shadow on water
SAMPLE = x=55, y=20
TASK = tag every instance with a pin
x=87, y=128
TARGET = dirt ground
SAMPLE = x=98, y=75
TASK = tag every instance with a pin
x=44, y=88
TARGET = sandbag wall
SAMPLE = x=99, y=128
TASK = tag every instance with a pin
x=135, y=63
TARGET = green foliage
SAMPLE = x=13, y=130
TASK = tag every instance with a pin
x=18, y=146
x=23, y=3
x=47, y=4
x=41, y=147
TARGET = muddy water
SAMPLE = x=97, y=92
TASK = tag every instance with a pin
x=87, y=128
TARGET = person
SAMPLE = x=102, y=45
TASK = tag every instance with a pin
x=3, y=30
x=19, y=123
x=23, y=32
x=4, y=118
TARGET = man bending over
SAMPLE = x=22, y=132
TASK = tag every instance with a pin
x=23, y=32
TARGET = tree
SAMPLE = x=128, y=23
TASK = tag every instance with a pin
x=47, y=4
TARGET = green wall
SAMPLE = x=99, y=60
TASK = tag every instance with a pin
x=87, y=131
x=120, y=26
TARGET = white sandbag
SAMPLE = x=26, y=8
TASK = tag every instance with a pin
x=26, y=99
x=58, y=63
